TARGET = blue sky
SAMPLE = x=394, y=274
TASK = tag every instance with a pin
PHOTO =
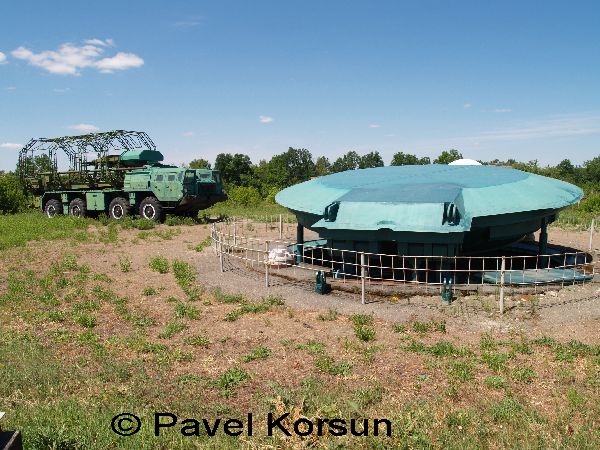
x=492, y=79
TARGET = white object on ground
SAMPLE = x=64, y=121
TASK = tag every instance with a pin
x=465, y=162
x=280, y=255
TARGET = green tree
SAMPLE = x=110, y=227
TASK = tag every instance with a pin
x=350, y=161
x=235, y=169
x=12, y=198
x=406, y=159
x=199, y=163
x=371, y=159
x=592, y=170
x=259, y=178
x=244, y=195
x=448, y=156
x=288, y=168
x=37, y=164
x=531, y=166
x=565, y=168
x=300, y=165
x=322, y=166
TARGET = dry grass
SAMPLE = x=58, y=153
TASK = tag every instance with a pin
x=80, y=342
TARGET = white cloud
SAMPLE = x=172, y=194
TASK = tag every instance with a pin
x=70, y=59
x=467, y=105
x=2, y=58
x=520, y=134
x=121, y=61
x=10, y=88
x=374, y=125
x=188, y=134
x=545, y=128
x=265, y=119
x=11, y=146
x=502, y=110
x=103, y=43
x=84, y=127
x=189, y=22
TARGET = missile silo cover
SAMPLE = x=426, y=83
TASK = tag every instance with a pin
x=414, y=198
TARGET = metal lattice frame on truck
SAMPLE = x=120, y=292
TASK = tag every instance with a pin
x=102, y=171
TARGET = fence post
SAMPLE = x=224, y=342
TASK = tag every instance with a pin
x=280, y=226
x=300, y=242
x=591, y=234
x=221, y=253
x=502, y=274
x=234, y=233
x=212, y=236
x=266, y=263
x=362, y=276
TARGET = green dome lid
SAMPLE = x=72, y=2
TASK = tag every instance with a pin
x=425, y=198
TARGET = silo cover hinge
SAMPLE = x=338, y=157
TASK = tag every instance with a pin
x=331, y=211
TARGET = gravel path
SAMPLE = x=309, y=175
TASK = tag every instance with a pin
x=571, y=313
x=297, y=294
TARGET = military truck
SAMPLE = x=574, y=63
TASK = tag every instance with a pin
x=133, y=181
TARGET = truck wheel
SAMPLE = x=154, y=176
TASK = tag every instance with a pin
x=151, y=209
x=53, y=208
x=118, y=208
x=77, y=208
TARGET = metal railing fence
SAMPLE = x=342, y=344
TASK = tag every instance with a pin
x=230, y=239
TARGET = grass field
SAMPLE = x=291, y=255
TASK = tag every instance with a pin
x=17, y=229
x=97, y=320
x=257, y=212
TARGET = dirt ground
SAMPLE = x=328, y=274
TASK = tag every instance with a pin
x=569, y=313
x=572, y=312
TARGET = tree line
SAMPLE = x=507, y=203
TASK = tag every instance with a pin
x=264, y=179
x=296, y=165
x=250, y=183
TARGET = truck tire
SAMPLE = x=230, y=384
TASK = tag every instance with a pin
x=77, y=208
x=151, y=209
x=118, y=208
x=53, y=208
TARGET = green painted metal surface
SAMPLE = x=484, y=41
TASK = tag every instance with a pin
x=96, y=200
x=140, y=157
x=539, y=276
x=321, y=285
x=413, y=198
x=167, y=184
x=427, y=210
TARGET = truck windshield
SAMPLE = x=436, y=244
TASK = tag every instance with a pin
x=189, y=176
